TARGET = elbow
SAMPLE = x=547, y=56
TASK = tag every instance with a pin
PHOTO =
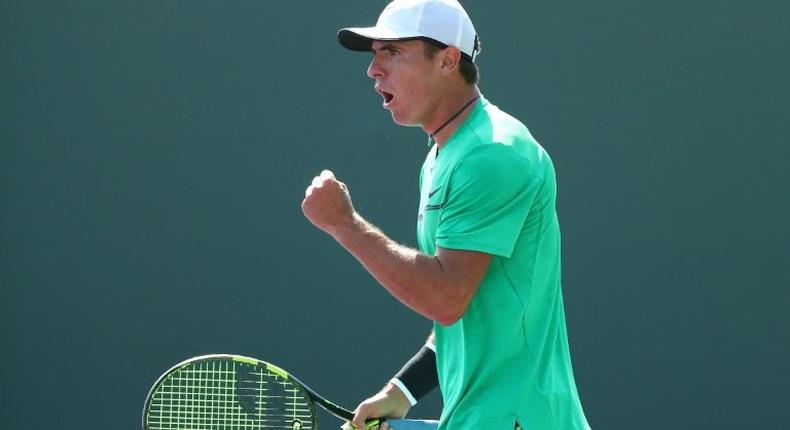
x=451, y=312
x=448, y=320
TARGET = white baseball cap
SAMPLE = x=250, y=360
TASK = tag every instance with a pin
x=443, y=21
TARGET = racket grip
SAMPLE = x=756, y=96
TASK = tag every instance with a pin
x=373, y=422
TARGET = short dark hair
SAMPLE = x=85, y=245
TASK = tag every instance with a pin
x=466, y=66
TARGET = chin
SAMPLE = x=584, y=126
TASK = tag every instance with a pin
x=406, y=122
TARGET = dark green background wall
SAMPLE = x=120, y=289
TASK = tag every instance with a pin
x=153, y=156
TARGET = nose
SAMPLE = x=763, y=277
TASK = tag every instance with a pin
x=374, y=69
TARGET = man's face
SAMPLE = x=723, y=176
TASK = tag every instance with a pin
x=406, y=78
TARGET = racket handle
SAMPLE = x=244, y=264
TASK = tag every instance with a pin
x=373, y=422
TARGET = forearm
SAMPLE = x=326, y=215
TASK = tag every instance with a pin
x=416, y=279
x=402, y=392
x=419, y=375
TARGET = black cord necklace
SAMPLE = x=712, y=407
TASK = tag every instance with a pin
x=431, y=135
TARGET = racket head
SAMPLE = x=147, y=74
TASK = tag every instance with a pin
x=219, y=391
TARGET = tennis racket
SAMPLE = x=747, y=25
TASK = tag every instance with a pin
x=220, y=391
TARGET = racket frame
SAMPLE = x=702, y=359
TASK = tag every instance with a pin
x=334, y=409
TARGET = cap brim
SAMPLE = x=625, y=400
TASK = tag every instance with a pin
x=361, y=38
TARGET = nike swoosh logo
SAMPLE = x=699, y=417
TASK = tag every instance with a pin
x=430, y=194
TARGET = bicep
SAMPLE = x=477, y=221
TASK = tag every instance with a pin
x=464, y=270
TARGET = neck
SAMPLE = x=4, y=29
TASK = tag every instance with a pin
x=448, y=106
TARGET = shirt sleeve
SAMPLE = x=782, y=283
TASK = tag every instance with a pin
x=490, y=193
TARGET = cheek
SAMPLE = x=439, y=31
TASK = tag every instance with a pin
x=420, y=95
x=419, y=83
x=415, y=92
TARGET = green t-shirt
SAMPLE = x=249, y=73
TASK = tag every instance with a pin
x=492, y=189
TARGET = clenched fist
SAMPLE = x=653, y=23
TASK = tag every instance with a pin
x=327, y=203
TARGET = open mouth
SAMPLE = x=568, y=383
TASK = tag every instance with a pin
x=388, y=96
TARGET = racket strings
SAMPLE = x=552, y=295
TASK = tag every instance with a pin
x=225, y=394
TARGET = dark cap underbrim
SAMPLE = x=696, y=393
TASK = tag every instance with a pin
x=361, y=39
x=354, y=41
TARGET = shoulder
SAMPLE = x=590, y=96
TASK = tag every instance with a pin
x=493, y=124
x=496, y=157
x=493, y=138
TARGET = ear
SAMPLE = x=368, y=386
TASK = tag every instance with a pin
x=450, y=58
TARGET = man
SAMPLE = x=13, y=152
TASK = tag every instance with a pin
x=488, y=268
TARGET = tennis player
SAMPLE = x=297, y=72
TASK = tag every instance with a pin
x=487, y=271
